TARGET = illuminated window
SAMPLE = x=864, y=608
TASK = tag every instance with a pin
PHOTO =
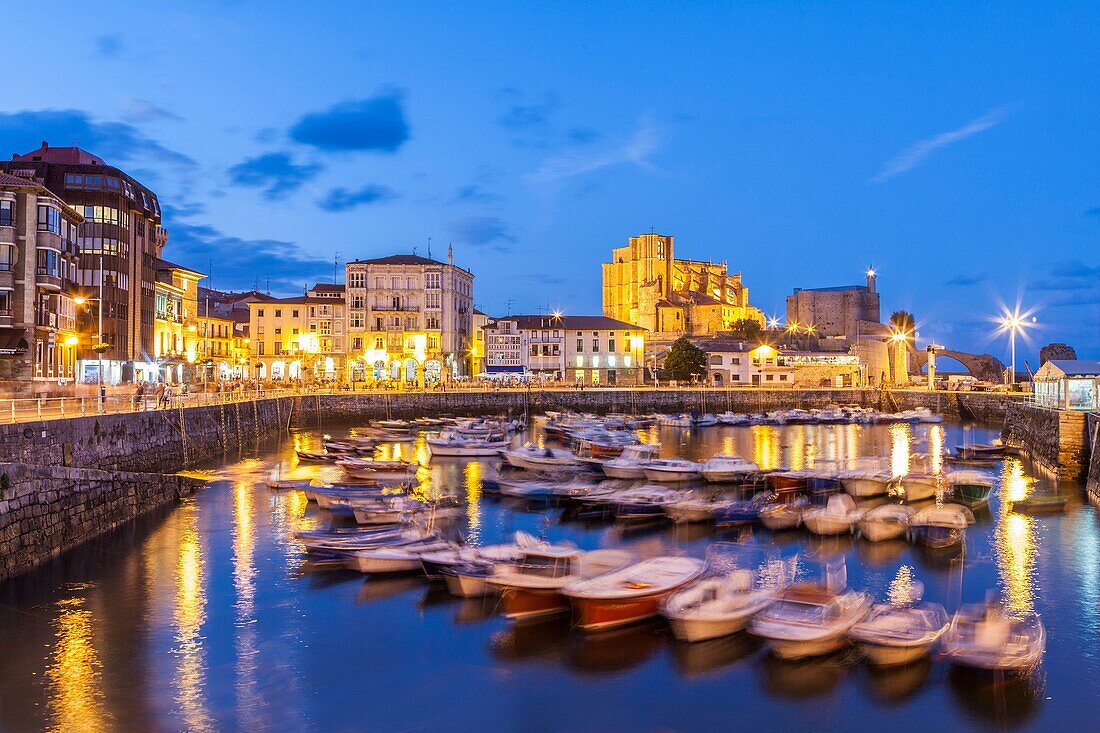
x=580, y=360
x=595, y=361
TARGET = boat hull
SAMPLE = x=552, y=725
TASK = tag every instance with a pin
x=888, y=655
x=781, y=520
x=972, y=495
x=827, y=525
x=875, y=531
x=695, y=629
x=863, y=487
x=670, y=477
x=595, y=614
x=523, y=604
x=467, y=586
x=803, y=648
x=384, y=565
x=626, y=472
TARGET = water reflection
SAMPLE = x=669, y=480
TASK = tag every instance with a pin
x=704, y=657
x=802, y=678
x=1015, y=543
x=190, y=612
x=1004, y=700
x=901, y=441
x=77, y=700
x=898, y=683
x=765, y=446
x=249, y=701
x=472, y=474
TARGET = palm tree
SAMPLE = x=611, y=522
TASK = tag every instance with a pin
x=903, y=322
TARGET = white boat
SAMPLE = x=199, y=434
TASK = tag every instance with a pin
x=723, y=603
x=705, y=421
x=389, y=510
x=727, y=468
x=941, y=526
x=808, y=620
x=451, y=444
x=919, y=486
x=970, y=487
x=886, y=522
x=902, y=630
x=983, y=636
x=534, y=458
x=681, y=420
x=378, y=470
x=531, y=588
x=642, y=503
x=672, y=470
x=733, y=418
x=784, y=515
x=863, y=483
x=694, y=508
x=631, y=594
x=631, y=462
x=402, y=559
x=836, y=517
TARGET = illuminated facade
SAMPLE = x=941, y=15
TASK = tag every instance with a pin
x=736, y=363
x=298, y=339
x=646, y=285
x=580, y=349
x=175, y=322
x=847, y=312
x=1068, y=384
x=410, y=319
x=477, y=342
x=38, y=273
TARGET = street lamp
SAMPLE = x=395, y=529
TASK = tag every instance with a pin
x=1013, y=323
x=99, y=346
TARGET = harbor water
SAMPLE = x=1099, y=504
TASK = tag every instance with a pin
x=204, y=617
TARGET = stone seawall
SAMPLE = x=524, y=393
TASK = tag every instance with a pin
x=1092, y=482
x=45, y=510
x=317, y=410
x=155, y=440
x=1057, y=440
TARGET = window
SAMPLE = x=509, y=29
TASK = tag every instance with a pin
x=260, y=312
x=7, y=251
x=49, y=219
x=735, y=377
x=294, y=313
x=7, y=213
x=294, y=331
x=278, y=313
x=260, y=348
x=595, y=345
x=49, y=263
x=357, y=279
x=736, y=361
x=357, y=344
x=432, y=280
x=278, y=331
x=769, y=378
x=379, y=343
x=611, y=345
x=580, y=344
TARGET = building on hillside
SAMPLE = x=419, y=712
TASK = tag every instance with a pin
x=410, y=318
x=477, y=342
x=593, y=350
x=840, y=315
x=732, y=363
x=300, y=339
x=1065, y=384
x=121, y=237
x=39, y=339
x=175, y=330
x=646, y=285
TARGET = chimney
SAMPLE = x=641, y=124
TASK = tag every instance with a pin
x=45, y=145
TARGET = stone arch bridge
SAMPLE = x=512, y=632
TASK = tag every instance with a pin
x=985, y=367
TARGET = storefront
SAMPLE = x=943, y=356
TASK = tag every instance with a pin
x=1068, y=385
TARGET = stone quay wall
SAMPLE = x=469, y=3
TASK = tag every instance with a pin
x=45, y=510
x=1092, y=481
x=1057, y=440
x=318, y=410
x=154, y=440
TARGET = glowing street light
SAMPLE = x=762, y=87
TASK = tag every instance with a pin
x=773, y=322
x=1014, y=322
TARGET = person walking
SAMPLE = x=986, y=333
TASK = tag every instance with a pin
x=167, y=396
x=158, y=395
x=139, y=396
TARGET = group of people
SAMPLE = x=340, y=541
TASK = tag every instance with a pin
x=162, y=395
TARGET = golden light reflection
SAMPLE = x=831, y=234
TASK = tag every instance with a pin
x=190, y=612
x=1015, y=542
x=76, y=696
x=796, y=453
x=935, y=447
x=902, y=590
x=473, y=472
x=244, y=582
x=765, y=446
x=901, y=441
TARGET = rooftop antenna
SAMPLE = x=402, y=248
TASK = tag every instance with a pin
x=269, y=284
x=335, y=268
x=414, y=251
x=653, y=230
x=429, y=248
x=509, y=307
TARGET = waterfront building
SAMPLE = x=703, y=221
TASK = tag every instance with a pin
x=477, y=342
x=410, y=318
x=298, y=339
x=122, y=238
x=1065, y=384
x=646, y=285
x=732, y=363
x=175, y=326
x=840, y=315
x=579, y=349
x=38, y=284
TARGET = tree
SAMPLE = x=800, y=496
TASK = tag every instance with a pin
x=685, y=360
x=746, y=329
x=903, y=322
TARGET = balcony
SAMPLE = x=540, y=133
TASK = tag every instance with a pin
x=7, y=280
x=47, y=280
x=396, y=309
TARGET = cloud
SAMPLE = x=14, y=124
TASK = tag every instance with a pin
x=483, y=231
x=142, y=110
x=636, y=150
x=241, y=264
x=108, y=46
x=917, y=153
x=377, y=123
x=965, y=280
x=1074, y=269
x=538, y=279
x=342, y=199
x=530, y=122
x=1094, y=211
x=474, y=194
x=582, y=135
x=276, y=173
x=115, y=142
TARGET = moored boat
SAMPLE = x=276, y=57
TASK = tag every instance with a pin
x=882, y=523
x=863, y=483
x=630, y=594
x=809, y=620
x=531, y=588
x=984, y=636
x=394, y=559
x=672, y=470
x=630, y=464
x=1040, y=504
x=902, y=630
x=836, y=517
x=644, y=503
x=378, y=470
x=784, y=515
x=970, y=487
x=940, y=527
x=727, y=468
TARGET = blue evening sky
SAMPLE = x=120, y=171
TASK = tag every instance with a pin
x=953, y=145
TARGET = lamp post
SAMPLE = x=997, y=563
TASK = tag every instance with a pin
x=1013, y=323
x=99, y=346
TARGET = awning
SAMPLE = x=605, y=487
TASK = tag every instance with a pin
x=506, y=369
x=12, y=342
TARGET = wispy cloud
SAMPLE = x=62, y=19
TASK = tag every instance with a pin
x=636, y=150
x=917, y=153
x=965, y=280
